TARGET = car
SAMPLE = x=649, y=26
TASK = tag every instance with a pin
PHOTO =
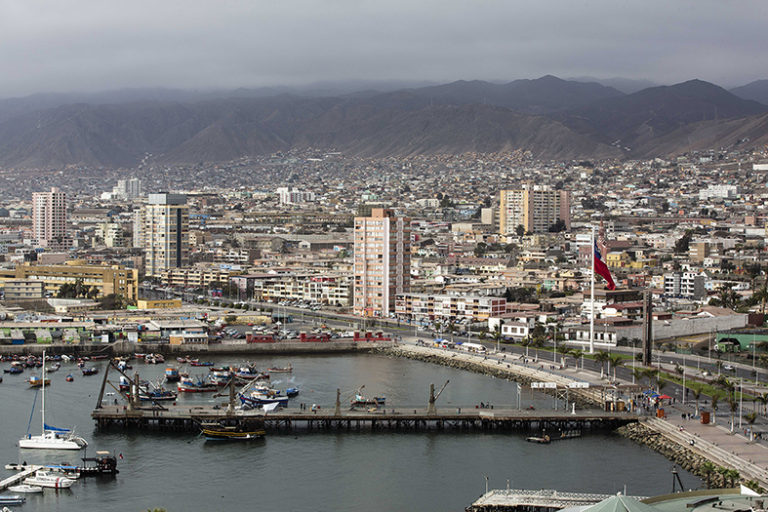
x=727, y=367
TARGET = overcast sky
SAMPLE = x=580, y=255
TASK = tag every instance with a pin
x=76, y=45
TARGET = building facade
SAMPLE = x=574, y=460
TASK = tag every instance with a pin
x=165, y=232
x=382, y=262
x=107, y=279
x=534, y=208
x=49, y=219
x=445, y=308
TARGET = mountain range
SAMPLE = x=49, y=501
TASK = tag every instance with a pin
x=551, y=117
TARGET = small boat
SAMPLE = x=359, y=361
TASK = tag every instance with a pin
x=157, y=395
x=248, y=373
x=12, y=500
x=69, y=378
x=99, y=357
x=190, y=385
x=90, y=371
x=124, y=384
x=182, y=360
x=195, y=362
x=54, y=367
x=221, y=378
x=545, y=439
x=360, y=400
x=49, y=479
x=172, y=374
x=292, y=392
x=16, y=368
x=258, y=399
x=36, y=381
x=285, y=369
x=218, y=432
x=25, y=489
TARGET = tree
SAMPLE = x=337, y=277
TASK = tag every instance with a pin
x=696, y=392
x=602, y=357
x=577, y=354
x=557, y=227
x=682, y=243
x=715, y=400
x=616, y=361
x=707, y=469
x=112, y=301
x=520, y=230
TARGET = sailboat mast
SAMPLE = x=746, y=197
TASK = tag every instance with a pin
x=42, y=427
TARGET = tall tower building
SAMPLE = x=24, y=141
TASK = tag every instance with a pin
x=49, y=219
x=382, y=264
x=534, y=208
x=165, y=232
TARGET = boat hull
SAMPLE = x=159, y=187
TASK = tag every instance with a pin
x=229, y=435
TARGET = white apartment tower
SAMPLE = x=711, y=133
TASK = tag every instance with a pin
x=49, y=219
x=165, y=232
x=127, y=189
x=382, y=264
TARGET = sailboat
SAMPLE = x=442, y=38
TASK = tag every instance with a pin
x=52, y=438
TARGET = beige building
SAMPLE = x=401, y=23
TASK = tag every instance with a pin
x=382, y=262
x=534, y=208
x=165, y=232
x=107, y=279
x=23, y=289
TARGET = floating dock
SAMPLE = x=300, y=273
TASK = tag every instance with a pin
x=18, y=477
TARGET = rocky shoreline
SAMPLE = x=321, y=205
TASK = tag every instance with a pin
x=672, y=450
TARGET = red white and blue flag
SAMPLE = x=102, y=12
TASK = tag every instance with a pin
x=601, y=269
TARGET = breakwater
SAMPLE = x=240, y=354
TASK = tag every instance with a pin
x=523, y=374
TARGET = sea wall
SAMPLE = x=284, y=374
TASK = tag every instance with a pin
x=672, y=450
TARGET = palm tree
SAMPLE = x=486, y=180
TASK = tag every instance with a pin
x=616, y=361
x=722, y=472
x=733, y=476
x=602, y=357
x=564, y=351
x=577, y=353
x=497, y=336
x=715, y=399
x=537, y=343
x=707, y=469
x=696, y=392
x=733, y=405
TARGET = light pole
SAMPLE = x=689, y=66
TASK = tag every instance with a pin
x=486, y=483
x=684, y=388
x=633, y=361
x=554, y=354
x=741, y=399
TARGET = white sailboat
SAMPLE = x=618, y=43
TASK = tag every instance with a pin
x=52, y=438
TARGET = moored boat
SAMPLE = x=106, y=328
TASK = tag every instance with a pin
x=36, y=381
x=48, y=479
x=277, y=369
x=172, y=374
x=12, y=500
x=218, y=432
x=157, y=395
x=192, y=385
x=292, y=392
x=90, y=371
x=25, y=489
x=69, y=378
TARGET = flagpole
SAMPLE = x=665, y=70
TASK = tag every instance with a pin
x=592, y=295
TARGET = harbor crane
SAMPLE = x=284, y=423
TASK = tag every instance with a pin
x=433, y=397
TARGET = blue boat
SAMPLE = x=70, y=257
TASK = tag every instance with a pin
x=292, y=392
x=258, y=399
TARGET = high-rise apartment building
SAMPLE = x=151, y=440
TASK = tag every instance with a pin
x=535, y=208
x=165, y=232
x=382, y=264
x=49, y=219
x=127, y=189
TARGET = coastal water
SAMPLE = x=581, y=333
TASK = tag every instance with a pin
x=323, y=471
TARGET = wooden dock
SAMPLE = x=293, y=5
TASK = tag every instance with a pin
x=18, y=477
x=181, y=418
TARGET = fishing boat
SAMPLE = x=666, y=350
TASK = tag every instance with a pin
x=292, y=392
x=172, y=374
x=221, y=377
x=51, y=438
x=196, y=362
x=124, y=384
x=360, y=400
x=157, y=395
x=195, y=385
x=255, y=399
x=54, y=367
x=90, y=371
x=36, y=381
x=16, y=368
x=277, y=369
x=182, y=360
x=12, y=500
x=25, y=489
x=217, y=432
x=49, y=479
x=248, y=373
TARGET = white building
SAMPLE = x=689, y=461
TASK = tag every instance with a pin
x=49, y=219
x=294, y=196
x=721, y=191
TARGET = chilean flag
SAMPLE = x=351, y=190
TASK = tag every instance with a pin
x=601, y=269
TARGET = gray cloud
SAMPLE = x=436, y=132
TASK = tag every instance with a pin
x=49, y=45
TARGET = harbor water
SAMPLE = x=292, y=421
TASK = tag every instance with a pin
x=349, y=471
